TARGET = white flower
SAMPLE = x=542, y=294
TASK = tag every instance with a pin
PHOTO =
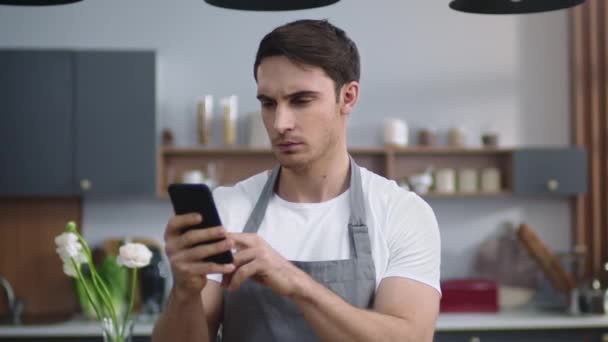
x=65, y=238
x=69, y=269
x=68, y=246
x=71, y=252
x=134, y=255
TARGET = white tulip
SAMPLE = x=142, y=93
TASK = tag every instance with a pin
x=134, y=255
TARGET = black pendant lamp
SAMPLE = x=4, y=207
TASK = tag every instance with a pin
x=511, y=6
x=37, y=2
x=270, y=5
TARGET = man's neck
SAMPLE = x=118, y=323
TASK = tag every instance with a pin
x=321, y=181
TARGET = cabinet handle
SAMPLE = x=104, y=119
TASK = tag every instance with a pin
x=553, y=185
x=85, y=185
x=475, y=339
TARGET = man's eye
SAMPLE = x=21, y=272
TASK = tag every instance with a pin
x=301, y=101
x=267, y=104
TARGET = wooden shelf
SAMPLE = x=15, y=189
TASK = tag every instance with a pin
x=417, y=150
x=243, y=150
x=233, y=164
x=189, y=150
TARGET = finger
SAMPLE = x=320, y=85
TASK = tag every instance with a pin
x=226, y=279
x=196, y=236
x=178, y=222
x=244, y=239
x=244, y=256
x=204, y=268
x=202, y=251
x=243, y=273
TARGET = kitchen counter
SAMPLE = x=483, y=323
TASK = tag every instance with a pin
x=72, y=328
x=518, y=320
x=510, y=320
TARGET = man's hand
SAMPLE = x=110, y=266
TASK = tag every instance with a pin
x=255, y=259
x=186, y=251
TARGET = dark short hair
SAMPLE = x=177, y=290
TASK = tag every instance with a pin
x=313, y=42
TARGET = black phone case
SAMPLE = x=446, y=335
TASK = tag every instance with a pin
x=197, y=198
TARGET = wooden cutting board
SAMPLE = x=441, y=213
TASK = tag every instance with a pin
x=549, y=262
x=28, y=227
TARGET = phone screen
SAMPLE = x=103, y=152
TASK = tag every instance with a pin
x=197, y=198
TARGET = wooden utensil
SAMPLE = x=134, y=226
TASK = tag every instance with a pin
x=549, y=262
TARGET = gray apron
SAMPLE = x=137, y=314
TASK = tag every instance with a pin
x=255, y=313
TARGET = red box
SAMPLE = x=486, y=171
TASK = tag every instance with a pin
x=469, y=295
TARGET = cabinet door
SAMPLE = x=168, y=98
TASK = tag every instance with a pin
x=115, y=146
x=549, y=171
x=35, y=123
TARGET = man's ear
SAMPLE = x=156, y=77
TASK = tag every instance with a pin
x=350, y=95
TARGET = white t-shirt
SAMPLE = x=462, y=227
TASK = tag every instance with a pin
x=403, y=229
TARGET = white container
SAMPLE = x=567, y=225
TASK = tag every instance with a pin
x=457, y=137
x=467, y=181
x=421, y=182
x=230, y=106
x=205, y=119
x=445, y=181
x=395, y=132
x=193, y=177
x=490, y=180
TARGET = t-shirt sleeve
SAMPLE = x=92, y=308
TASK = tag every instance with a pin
x=413, y=241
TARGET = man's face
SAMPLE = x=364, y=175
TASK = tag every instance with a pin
x=300, y=111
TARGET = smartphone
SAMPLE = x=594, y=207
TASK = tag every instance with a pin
x=197, y=198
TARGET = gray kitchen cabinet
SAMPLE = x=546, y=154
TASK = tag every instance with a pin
x=115, y=122
x=570, y=335
x=549, y=171
x=77, y=123
x=35, y=123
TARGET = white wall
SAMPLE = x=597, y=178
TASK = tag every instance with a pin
x=420, y=61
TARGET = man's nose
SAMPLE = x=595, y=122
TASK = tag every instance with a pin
x=284, y=120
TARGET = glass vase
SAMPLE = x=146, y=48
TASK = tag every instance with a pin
x=111, y=334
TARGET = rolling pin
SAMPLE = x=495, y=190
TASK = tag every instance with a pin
x=548, y=261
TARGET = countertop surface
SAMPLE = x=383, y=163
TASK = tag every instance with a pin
x=509, y=320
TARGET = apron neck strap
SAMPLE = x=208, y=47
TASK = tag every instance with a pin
x=356, y=223
x=257, y=215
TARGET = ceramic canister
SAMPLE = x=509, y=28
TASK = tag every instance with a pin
x=467, y=181
x=445, y=181
x=193, y=177
x=490, y=180
x=395, y=132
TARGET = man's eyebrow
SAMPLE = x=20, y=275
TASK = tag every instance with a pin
x=263, y=97
x=302, y=93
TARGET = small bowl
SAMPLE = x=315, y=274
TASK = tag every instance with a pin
x=512, y=297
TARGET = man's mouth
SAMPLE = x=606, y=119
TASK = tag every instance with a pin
x=286, y=146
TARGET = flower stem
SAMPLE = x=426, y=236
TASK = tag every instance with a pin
x=132, y=298
x=100, y=285
x=86, y=289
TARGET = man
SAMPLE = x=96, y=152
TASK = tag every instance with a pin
x=323, y=249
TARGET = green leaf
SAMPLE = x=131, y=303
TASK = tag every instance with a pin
x=86, y=307
x=117, y=279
